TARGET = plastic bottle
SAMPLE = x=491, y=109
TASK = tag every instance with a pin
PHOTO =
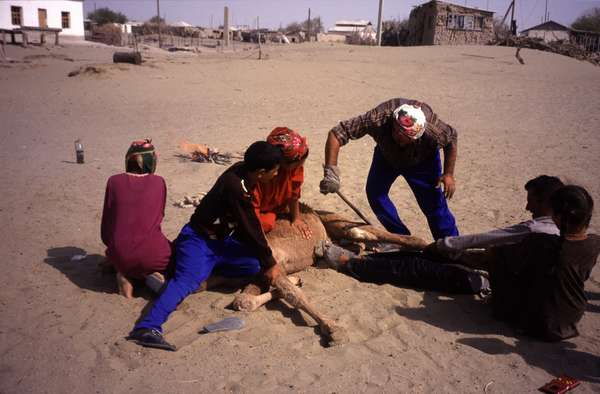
x=79, y=151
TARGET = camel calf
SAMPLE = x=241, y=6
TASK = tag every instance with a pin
x=296, y=253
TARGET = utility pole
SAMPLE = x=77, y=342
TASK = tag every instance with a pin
x=546, y=12
x=226, y=26
x=258, y=30
x=513, y=22
x=379, y=22
x=158, y=22
x=308, y=26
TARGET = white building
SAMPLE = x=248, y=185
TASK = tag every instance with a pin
x=548, y=31
x=62, y=14
x=362, y=28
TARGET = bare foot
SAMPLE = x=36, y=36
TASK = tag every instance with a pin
x=125, y=286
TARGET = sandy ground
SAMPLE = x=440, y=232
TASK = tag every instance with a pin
x=62, y=325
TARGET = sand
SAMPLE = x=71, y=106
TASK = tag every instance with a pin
x=62, y=325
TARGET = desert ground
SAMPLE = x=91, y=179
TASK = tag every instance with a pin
x=63, y=325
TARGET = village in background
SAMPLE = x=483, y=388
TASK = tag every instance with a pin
x=431, y=23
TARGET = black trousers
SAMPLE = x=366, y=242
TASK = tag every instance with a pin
x=411, y=269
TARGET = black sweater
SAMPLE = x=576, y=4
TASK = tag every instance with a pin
x=227, y=210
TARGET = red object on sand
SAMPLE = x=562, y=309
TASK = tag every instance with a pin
x=560, y=385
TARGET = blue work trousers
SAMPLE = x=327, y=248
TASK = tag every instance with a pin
x=422, y=179
x=195, y=259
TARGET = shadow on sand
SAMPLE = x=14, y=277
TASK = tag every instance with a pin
x=84, y=273
x=555, y=358
x=466, y=315
x=296, y=317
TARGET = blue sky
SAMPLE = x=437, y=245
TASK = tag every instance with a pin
x=275, y=12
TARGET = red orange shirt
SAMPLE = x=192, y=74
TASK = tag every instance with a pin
x=273, y=197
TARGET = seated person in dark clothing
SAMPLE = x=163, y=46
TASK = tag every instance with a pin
x=423, y=270
x=223, y=236
x=538, y=284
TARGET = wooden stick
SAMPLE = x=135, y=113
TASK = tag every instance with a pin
x=354, y=208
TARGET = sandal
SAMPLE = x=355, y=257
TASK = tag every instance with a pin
x=150, y=337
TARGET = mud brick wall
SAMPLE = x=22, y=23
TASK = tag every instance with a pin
x=428, y=25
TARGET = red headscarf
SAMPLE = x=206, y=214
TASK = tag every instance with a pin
x=292, y=144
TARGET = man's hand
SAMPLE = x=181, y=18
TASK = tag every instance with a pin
x=271, y=274
x=447, y=181
x=331, y=179
x=303, y=228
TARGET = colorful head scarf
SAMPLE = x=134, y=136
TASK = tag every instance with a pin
x=141, y=157
x=411, y=120
x=292, y=144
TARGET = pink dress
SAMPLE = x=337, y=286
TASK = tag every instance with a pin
x=134, y=208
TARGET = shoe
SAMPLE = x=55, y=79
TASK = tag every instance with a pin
x=150, y=337
x=480, y=284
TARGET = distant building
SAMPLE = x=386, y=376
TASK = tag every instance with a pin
x=441, y=23
x=548, y=31
x=552, y=31
x=361, y=28
x=61, y=14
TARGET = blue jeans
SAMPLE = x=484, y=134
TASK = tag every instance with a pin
x=195, y=258
x=422, y=179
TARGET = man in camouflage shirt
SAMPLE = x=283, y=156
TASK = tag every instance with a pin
x=409, y=136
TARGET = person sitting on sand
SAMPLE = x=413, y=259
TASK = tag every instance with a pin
x=282, y=193
x=223, y=236
x=408, y=136
x=537, y=284
x=134, y=207
x=539, y=190
x=434, y=269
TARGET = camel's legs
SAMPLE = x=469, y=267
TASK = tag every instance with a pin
x=334, y=334
x=249, y=303
x=371, y=233
x=250, y=298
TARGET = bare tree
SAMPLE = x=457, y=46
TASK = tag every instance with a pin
x=394, y=32
x=589, y=21
x=501, y=30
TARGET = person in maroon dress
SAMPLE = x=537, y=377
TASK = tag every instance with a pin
x=134, y=206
